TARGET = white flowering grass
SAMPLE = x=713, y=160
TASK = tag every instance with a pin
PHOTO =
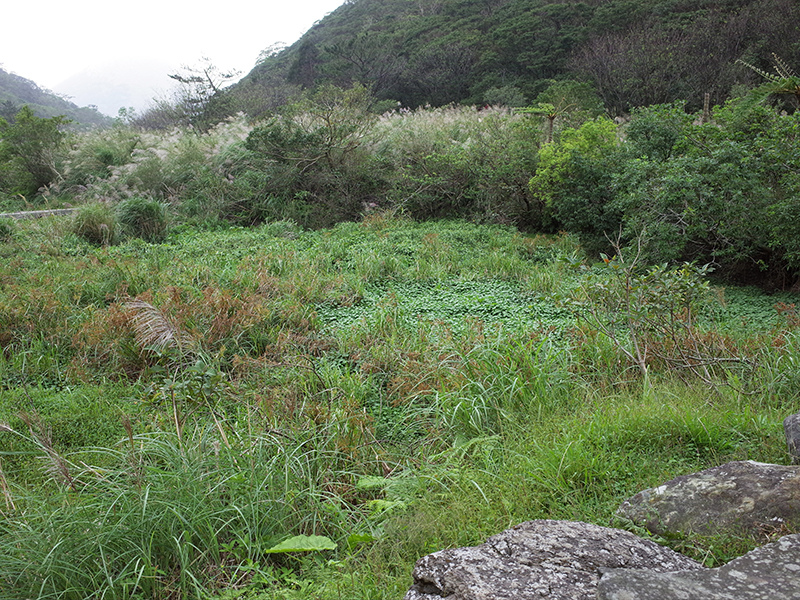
x=123, y=162
x=428, y=130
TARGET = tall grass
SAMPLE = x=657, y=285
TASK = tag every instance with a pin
x=399, y=387
x=164, y=518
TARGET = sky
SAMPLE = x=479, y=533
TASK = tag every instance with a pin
x=54, y=41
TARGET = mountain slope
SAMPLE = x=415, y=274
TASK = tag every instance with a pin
x=636, y=52
x=16, y=91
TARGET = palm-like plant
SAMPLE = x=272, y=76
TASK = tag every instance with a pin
x=784, y=81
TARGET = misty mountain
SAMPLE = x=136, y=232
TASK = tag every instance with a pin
x=120, y=84
x=16, y=91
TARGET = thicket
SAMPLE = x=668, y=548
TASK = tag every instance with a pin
x=720, y=192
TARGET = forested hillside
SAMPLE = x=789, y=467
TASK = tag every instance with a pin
x=16, y=92
x=636, y=52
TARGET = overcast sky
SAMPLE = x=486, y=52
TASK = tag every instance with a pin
x=49, y=41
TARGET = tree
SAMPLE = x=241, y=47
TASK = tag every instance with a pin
x=201, y=96
x=368, y=59
x=309, y=161
x=440, y=74
x=321, y=128
x=29, y=150
x=573, y=181
x=569, y=102
x=724, y=193
x=8, y=108
x=507, y=95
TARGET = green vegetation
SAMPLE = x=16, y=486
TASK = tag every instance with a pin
x=285, y=353
x=17, y=92
x=441, y=51
x=271, y=412
x=29, y=150
x=718, y=187
x=95, y=223
x=143, y=218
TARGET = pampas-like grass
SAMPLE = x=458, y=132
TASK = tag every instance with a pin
x=153, y=329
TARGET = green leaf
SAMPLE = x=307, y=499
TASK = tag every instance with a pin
x=303, y=543
x=359, y=538
x=379, y=507
x=371, y=482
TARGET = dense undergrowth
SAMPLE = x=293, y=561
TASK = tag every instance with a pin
x=173, y=411
x=285, y=358
x=718, y=187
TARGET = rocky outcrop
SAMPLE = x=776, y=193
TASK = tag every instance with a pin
x=554, y=560
x=736, y=497
x=771, y=572
x=564, y=560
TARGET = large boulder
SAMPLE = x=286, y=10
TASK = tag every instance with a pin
x=743, y=496
x=556, y=560
x=771, y=572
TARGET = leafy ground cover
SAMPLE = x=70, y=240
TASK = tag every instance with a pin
x=175, y=415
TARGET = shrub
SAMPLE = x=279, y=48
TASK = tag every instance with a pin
x=573, y=180
x=96, y=224
x=30, y=149
x=716, y=192
x=97, y=152
x=144, y=218
x=313, y=159
x=460, y=162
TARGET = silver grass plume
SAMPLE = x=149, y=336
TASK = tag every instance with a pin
x=152, y=328
x=56, y=466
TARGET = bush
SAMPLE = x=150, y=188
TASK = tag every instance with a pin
x=96, y=224
x=97, y=152
x=573, y=180
x=313, y=159
x=144, y=218
x=30, y=149
x=460, y=162
x=712, y=192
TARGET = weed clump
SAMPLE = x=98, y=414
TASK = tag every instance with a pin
x=143, y=218
x=7, y=229
x=95, y=223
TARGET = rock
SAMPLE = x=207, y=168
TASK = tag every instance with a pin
x=736, y=497
x=791, y=428
x=553, y=560
x=771, y=572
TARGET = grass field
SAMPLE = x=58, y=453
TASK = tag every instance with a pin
x=172, y=412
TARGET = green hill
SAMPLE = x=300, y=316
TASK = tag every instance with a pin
x=16, y=92
x=636, y=52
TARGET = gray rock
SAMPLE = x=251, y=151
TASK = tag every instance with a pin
x=735, y=497
x=771, y=572
x=556, y=560
x=791, y=428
